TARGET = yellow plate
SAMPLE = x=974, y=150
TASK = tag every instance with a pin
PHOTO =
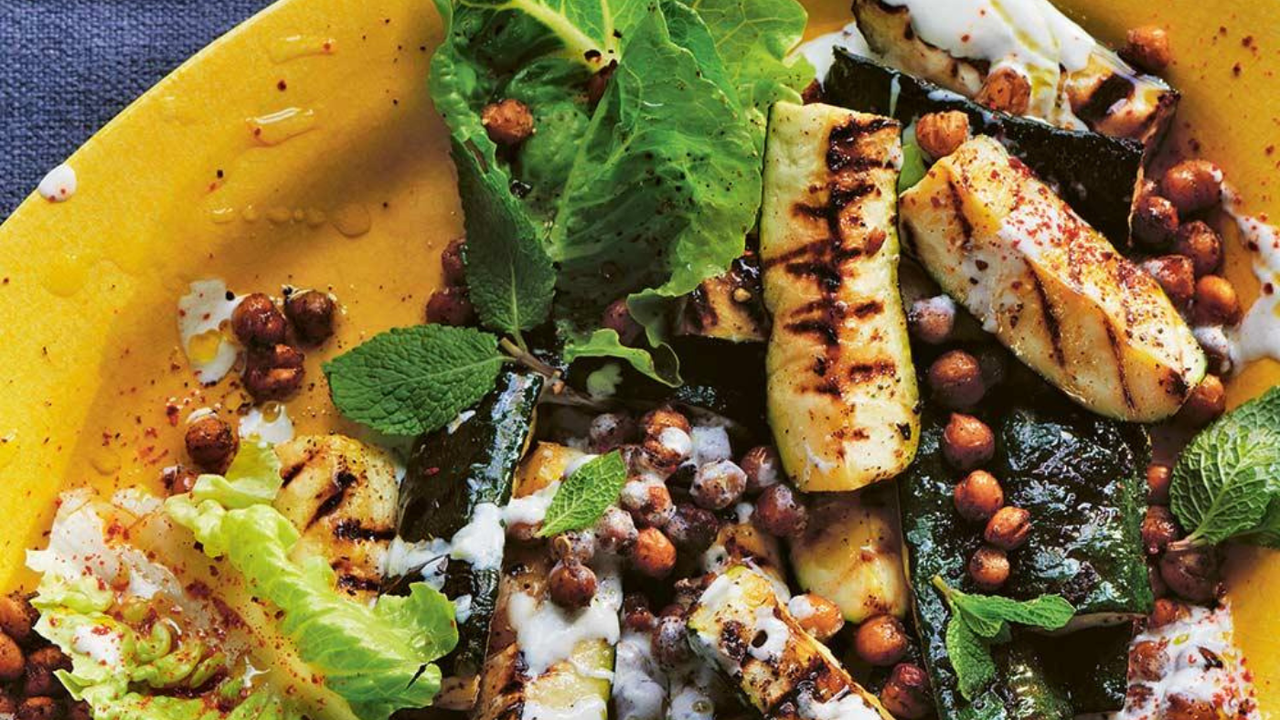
x=301, y=149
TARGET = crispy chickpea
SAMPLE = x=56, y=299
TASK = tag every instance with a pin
x=1147, y=661
x=1176, y=275
x=1202, y=245
x=451, y=306
x=1166, y=611
x=1148, y=48
x=636, y=613
x=609, y=431
x=312, y=313
x=1191, y=574
x=524, y=532
x=37, y=708
x=978, y=496
x=932, y=320
x=211, y=443
x=989, y=568
x=571, y=584
x=653, y=554
x=1158, y=478
x=41, y=664
x=1205, y=404
x=453, y=262
x=1216, y=302
x=812, y=93
x=273, y=373
x=780, y=512
x=178, y=479
x=817, y=615
x=692, y=528
x=1192, y=185
x=1006, y=90
x=78, y=711
x=967, y=442
x=575, y=545
x=1155, y=221
x=956, y=380
x=648, y=501
x=1008, y=528
x=1183, y=707
x=671, y=641
x=508, y=122
x=1158, y=587
x=617, y=317
x=257, y=321
x=939, y=134
x=17, y=617
x=616, y=531
x=1159, y=528
x=907, y=694
x=717, y=485
x=12, y=661
x=762, y=466
x=688, y=590
x=881, y=640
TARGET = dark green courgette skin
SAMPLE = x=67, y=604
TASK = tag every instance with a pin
x=1095, y=174
x=449, y=474
x=1075, y=475
x=1092, y=664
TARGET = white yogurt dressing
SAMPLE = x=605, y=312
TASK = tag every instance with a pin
x=269, y=423
x=710, y=444
x=58, y=185
x=530, y=509
x=100, y=643
x=848, y=706
x=478, y=543
x=1258, y=335
x=775, y=633
x=547, y=634
x=204, y=319
x=820, y=51
x=639, y=684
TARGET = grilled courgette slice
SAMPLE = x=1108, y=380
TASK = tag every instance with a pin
x=1050, y=287
x=728, y=306
x=841, y=389
x=740, y=625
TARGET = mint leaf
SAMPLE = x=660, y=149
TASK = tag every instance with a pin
x=1267, y=533
x=1047, y=612
x=509, y=275
x=585, y=495
x=970, y=658
x=660, y=363
x=407, y=381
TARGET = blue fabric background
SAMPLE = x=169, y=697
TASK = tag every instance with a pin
x=68, y=66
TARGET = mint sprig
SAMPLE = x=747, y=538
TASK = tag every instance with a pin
x=1226, y=484
x=413, y=380
x=980, y=621
x=585, y=495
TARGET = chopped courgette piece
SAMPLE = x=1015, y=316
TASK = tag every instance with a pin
x=728, y=306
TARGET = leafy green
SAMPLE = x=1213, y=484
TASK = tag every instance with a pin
x=1227, y=482
x=913, y=167
x=412, y=380
x=661, y=364
x=586, y=494
x=970, y=657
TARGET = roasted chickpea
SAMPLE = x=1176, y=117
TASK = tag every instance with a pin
x=617, y=317
x=78, y=711
x=571, y=584
x=1158, y=478
x=717, y=485
x=932, y=320
x=525, y=532
x=1158, y=587
x=907, y=694
x=508, y=122
x=1147, y=661
x=616, y=531
x=989, y=568
x=1216, y=302
x=1159, y=528
x=967, y=442
x=688, y=590
x=812, y=93
x=661, y=418
x=273, y=373
x=978, y=496
x=636, y=613
x=41, y=664
x=939, y=134
x=1191, y=574
x=1148, y=48
x=817, y=615
x=1006, y=90
x=312, y=313
x=1201, y=245
x=667, y=442
x=780, y=512
x=178, y=479
x=453, y=262
x=881, y=640
x=671, y=641
x=257, y=321
x=1192, y=185
x=692, y=528
x=12, y=661
x=574, y=545
x=1155, y=221
x=648, y=501
x=17, y=617
x=1166, y=611
x=653, y=554
x=1205, y=404
x=38, y=708
x=1176, y=275
x=762, y=466
x=956, y=380
x=211, y=443
x=611, y=430
x=1008, y=528
x=1184, y=707
x=451, y=306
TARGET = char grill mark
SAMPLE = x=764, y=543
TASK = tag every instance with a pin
x=342, y=481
